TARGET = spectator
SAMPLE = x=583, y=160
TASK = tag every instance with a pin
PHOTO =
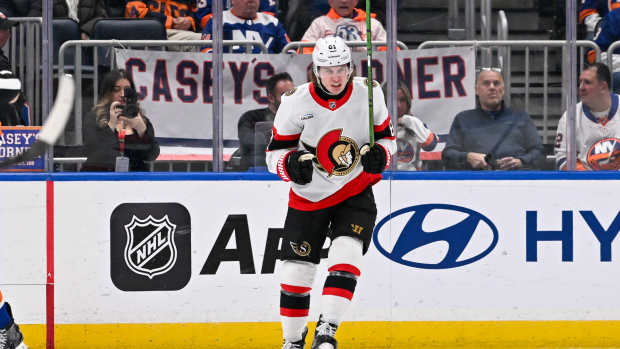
x=113, y=139
x=608, y=33
x=297, y=15
x=412, y=133
x=597, y=125
x=14, y=8
x=176, y=15
x=115, y=8
x=10, y=335
x=244, y=22
x=345, y=21
x=276, y=86
x=5, y=35
x=14, y=111
x=19, y=105
x=492, y=136
x=591, y=12
x=205, y=9
x=85, y=12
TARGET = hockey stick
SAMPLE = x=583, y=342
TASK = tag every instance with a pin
x=371, y=122
x=54, y=125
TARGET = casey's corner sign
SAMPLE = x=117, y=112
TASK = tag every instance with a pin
x=177, y=87
x=15, y=140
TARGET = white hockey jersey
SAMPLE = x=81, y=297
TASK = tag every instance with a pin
x=598, y=140
x=334, y=131
x=412, y=134
x=349, y=29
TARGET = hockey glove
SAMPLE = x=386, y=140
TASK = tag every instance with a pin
x=374, y=158
x=299, y=167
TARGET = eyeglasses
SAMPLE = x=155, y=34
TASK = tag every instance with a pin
x=495, y=69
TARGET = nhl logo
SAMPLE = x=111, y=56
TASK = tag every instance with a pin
x=150, y=248
x=332, y=105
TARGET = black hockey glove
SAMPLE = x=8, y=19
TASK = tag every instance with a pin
x=299, y=167
x=374, y=158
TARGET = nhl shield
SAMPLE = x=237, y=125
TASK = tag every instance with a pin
x=150, y=249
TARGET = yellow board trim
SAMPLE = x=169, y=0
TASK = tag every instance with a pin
x=359, y=335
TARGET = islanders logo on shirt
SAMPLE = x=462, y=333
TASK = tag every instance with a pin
x=604, y=154
x=335, y=154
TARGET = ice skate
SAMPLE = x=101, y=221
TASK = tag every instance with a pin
x=300, y=344
x=324, y=335
x=12, y=338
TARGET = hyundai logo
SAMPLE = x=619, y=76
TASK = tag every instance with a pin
x=436, y=236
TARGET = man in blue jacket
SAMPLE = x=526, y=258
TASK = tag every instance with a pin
x=492, y=136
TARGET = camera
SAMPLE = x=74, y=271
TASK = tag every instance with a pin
x=130, y=107
x=491, y=161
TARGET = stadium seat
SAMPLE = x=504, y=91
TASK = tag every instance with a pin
x=65, y=29
x=126, y=29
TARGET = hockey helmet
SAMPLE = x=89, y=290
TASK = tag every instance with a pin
x=331, y=51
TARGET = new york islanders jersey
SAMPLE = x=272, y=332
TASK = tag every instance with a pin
x=333, y=131
x=597, y=140
x=264, y=27
x=205, y=9
x=591, y=11
x=412, y=134
x=607, y=34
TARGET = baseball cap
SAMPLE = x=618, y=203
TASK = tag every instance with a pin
x=6, y=24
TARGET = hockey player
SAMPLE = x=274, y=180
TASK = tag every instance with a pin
x=597, y=128
x=10, y=335
x=320, y=144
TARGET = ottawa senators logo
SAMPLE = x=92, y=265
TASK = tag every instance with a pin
x=302, y=249
x=335, y=154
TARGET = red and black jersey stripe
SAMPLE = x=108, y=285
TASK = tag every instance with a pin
x=279, y=141
x=384, y=130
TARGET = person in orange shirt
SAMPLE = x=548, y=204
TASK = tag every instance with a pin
x=178, y=16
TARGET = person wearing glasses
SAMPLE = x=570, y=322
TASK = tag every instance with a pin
x=492, y=136
x=597, y=124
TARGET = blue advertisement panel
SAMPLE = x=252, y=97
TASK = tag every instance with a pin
x=15, y=140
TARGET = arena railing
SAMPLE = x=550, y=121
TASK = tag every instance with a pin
x=24, y=52
x=527, y=45
x=77, y=138
x=300, y=44
x=610, y=59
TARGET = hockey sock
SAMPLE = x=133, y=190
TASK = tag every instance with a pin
x=338, y=292
x=297, y=278
x=345, y=256
x=294, y=308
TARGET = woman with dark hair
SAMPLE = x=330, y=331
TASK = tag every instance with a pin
x=117, y=135
x=412, y=133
